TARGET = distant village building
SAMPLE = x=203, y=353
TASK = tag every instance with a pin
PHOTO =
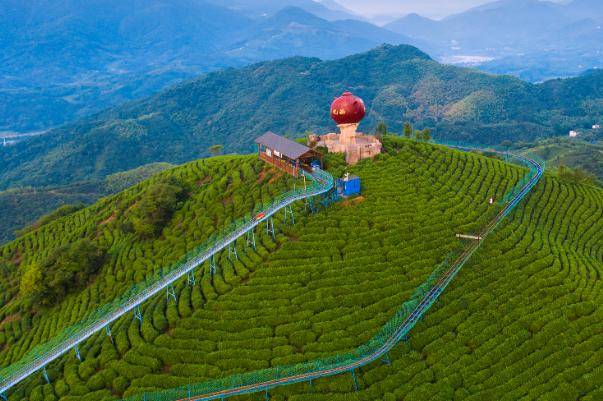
x=347, y=111
x=286, y=154
x=597, y=126
x=573, y=134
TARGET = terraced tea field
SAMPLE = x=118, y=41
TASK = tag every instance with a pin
x=521, y=321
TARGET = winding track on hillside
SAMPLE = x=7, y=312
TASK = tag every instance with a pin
x=427, y=301
x=322, y=182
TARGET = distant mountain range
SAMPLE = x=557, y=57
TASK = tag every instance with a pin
x=326, y=9
x=62, y=59
x=291, y=96
x=533, y=39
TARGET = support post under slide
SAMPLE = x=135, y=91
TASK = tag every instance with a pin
x=232, y=251
x=212, y=266
x=45, y=374
x=289, y=212
x=270, y=227
x=77, y=353
x=191, y=278
x=251, y=238
x=170, y=292
x=353, y=372
x=108, y=331
x=138, y=314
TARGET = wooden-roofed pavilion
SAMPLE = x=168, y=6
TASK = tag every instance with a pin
x=286, y=154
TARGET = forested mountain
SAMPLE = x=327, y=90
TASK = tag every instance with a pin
x=294, y=31
x=292, y=96
x=60, y=59
x=533, y=39
x=520, y=321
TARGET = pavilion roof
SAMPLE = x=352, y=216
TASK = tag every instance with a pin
x=287, y=147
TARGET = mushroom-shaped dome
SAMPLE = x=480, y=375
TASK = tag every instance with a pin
x=347, y=109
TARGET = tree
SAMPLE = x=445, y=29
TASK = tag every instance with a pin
x=215, y=149
x=31, y=282
x=407, y=130
x=155, y=209
x=381, y=130
x=66, y=269
x=426, y=134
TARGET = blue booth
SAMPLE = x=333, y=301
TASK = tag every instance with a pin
x=348, y=185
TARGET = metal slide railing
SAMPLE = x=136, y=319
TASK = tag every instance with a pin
x=319, y=182
x=378, y=346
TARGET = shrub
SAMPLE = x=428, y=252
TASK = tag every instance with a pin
x=156, y=207
x=67, y=269
x=120, y=384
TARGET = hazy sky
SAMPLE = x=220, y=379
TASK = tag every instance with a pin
x=428, y=8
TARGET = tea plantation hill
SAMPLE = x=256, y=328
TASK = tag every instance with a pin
x=234, y=106
x=521, y=321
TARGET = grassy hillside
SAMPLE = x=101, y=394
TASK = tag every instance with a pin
x=519, y=321
x=232, y=107
x=27, y=205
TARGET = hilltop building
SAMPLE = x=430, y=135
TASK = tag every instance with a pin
x=573, y=134
x=347, y=111
x=286, y=154
x=597, y=126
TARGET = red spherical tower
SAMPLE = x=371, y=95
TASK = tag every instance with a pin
x=347, y=109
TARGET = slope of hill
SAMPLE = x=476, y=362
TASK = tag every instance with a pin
x=232, y=107
x=326, y=284
x=27, y=205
